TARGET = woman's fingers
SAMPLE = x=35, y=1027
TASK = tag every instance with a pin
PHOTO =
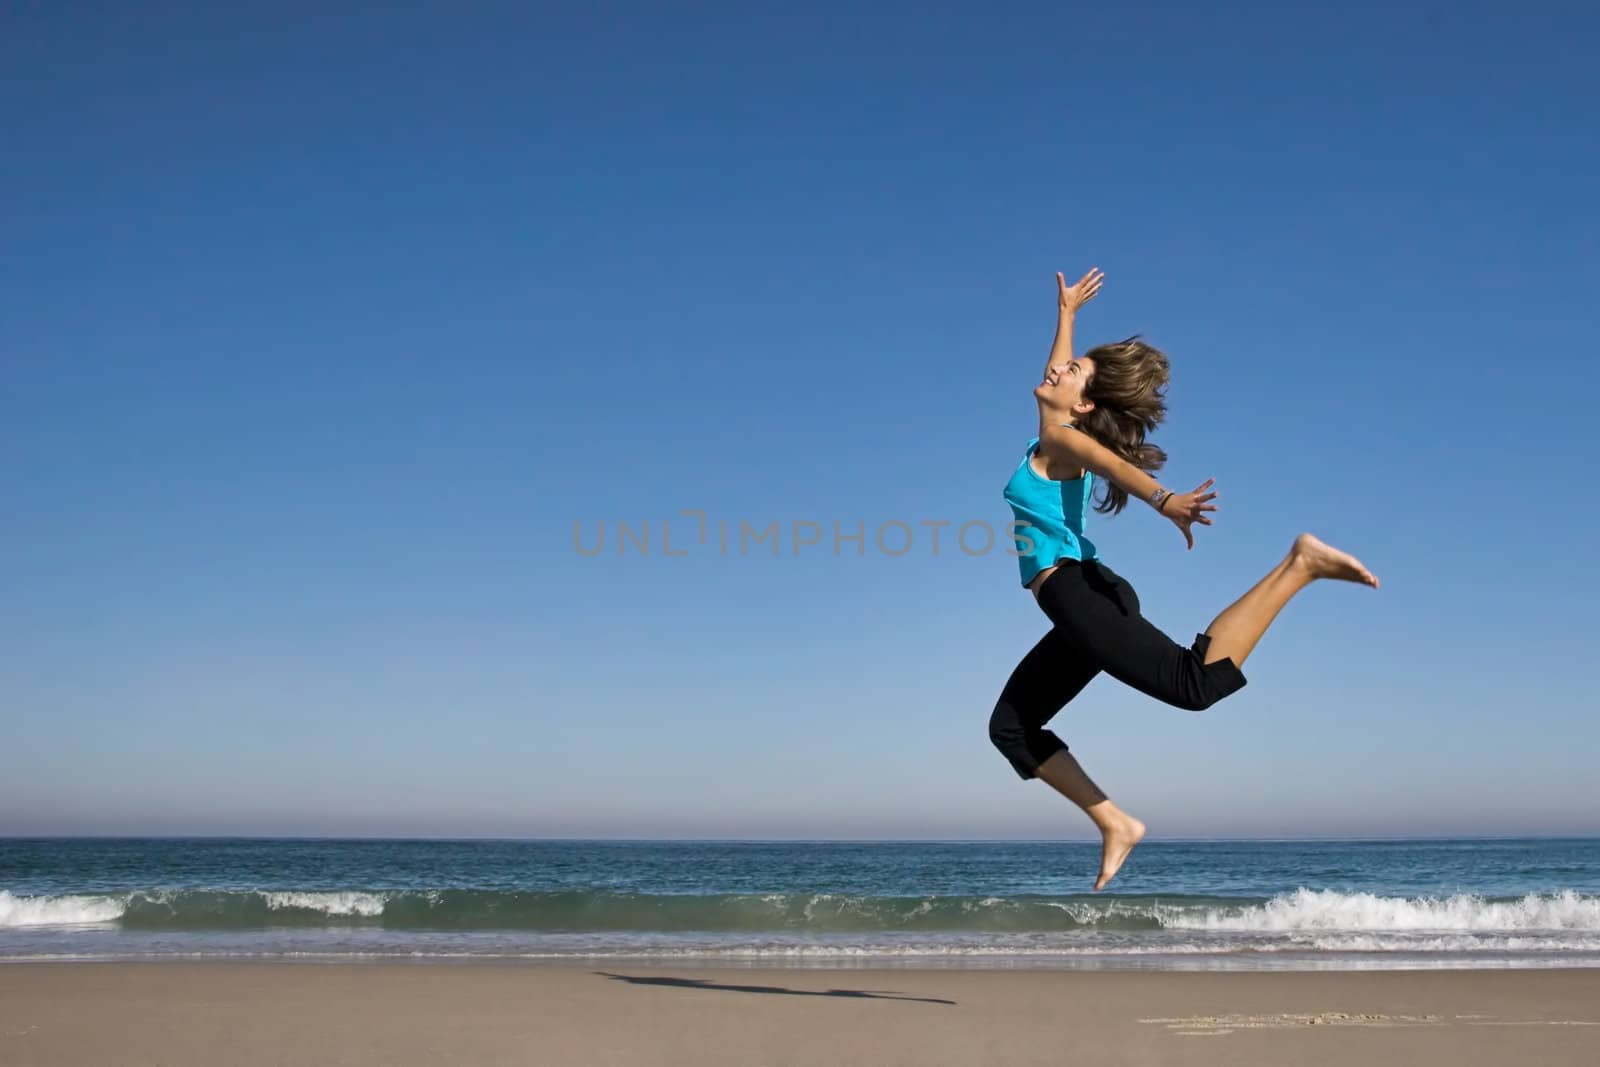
x=1084, y=288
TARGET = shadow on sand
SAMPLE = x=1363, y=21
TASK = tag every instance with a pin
x=706, y=983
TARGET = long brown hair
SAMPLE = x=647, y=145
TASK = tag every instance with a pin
x=1126, y=387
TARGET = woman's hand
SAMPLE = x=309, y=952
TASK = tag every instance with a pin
x=1189, y=508
x=1075, y=296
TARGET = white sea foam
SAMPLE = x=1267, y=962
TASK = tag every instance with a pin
x=366, y=905
x=74, y=910
x=1445, y=943
x=1313, y=910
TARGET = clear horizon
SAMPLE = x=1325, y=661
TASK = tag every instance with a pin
x=793, y=841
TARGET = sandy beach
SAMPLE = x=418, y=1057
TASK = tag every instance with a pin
x=273, y=1013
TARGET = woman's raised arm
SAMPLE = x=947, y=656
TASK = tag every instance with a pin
x=1068, y=300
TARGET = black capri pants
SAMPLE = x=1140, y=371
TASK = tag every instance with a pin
x=1097, y=628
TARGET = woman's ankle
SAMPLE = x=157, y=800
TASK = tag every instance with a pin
x=1107, y=816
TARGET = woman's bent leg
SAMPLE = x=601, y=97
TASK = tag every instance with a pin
x=1048, y=677
x=1119, y=831
x=1052, y=673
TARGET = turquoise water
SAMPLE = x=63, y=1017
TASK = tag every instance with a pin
x=1175, y=905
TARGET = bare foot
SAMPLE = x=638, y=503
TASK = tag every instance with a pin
x=1119, y=841
x=1325, y=561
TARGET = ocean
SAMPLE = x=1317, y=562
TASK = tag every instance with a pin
x=1176, y=905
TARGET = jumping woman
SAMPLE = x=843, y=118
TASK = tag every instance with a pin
x=1095, y=411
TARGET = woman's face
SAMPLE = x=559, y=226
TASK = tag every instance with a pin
x=1063, y=383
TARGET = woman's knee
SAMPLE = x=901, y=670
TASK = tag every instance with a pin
x=1023, y=746
x=1005, y=727
x=1203, y=684
x=1194, y=700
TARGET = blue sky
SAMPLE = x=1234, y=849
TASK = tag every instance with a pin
x=321, y=333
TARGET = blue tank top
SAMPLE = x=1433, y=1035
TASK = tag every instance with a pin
x=1054, y=512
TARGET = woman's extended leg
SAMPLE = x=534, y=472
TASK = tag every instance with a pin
x=1098, y=611
x=1235, y=632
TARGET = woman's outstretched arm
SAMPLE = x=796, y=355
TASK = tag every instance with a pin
x=1069, y=299
x=1081, y=450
